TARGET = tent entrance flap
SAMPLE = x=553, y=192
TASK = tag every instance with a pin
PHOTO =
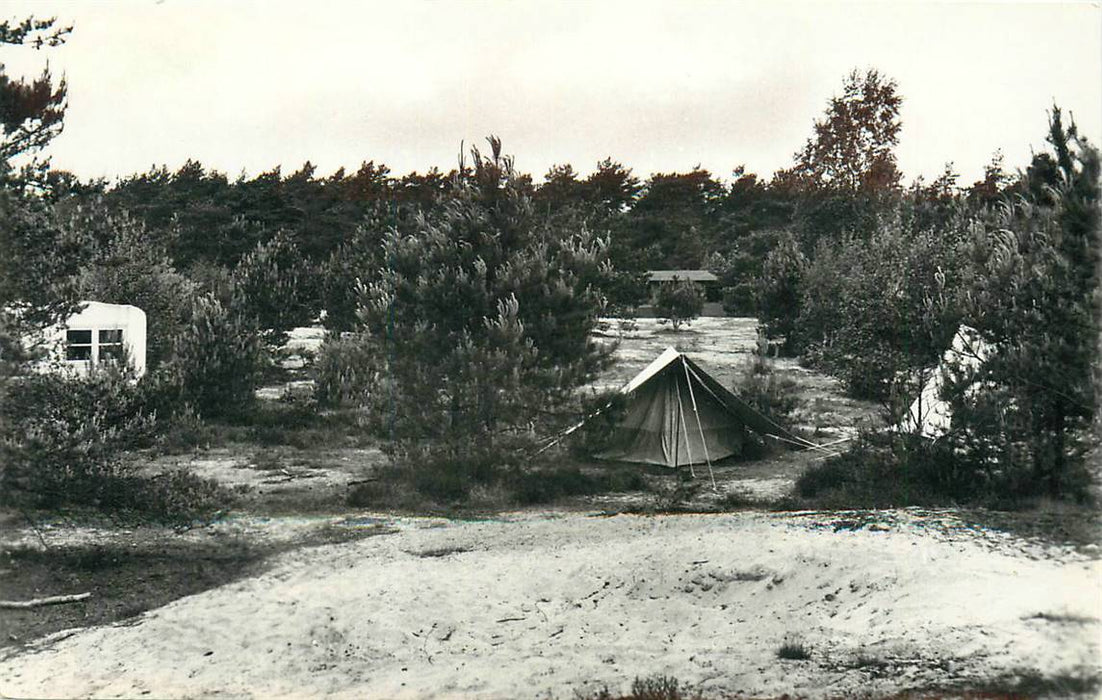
x=683, y=433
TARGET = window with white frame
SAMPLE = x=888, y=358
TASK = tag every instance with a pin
x=95, y=346
x=78, y=345
x=110, y=345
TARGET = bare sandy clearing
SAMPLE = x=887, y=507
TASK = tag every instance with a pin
x=532, y=605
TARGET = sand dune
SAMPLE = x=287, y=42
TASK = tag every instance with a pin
x=545, y=605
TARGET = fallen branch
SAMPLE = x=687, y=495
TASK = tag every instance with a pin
x=39, y=602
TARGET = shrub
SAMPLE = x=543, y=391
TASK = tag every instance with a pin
x=179, y=496
x=830, y=475
x=794, y=649
x=624, y=291
x=678, y=302
x=344, y=372
x=216, y=363
x=478, y=328
x=875, y=308
x=601, y=411
x=877, y=471
x=549, y=485
x=892, y=470
x=64, y=437
x=455, y=478
x=65, y=443
x=761, y=387
x=658, y=687
x=271, y=286
x=779, y=290
x=447, y=472
x=132, y=267
x=182, y=431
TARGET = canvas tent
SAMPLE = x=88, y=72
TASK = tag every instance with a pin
x=930, y=415
x=676, y=414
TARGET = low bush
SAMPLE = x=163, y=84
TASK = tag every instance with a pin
x=737, y=500
x=868, y=475
x=672, y=498
x=182, y=432
x=215, y=365
x=763, y=388
x=68, y=442
x=549, y=485
x=794, y=649
x=177, y=496
x=658, y=687
x=63, y=437
x=426, y=480
x=344, y=372
x=601, y=411
x=894, y=470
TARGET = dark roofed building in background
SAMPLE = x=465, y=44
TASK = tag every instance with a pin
x=708, y=282
x=699, y=276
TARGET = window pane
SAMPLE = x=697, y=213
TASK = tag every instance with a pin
x=78, y=352
x=78, y=345
x=110, y=336
x=110, y=352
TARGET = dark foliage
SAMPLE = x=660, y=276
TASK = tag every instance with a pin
x=479, y=326
x=678, y=302
x=67, y=445
x=215, y=363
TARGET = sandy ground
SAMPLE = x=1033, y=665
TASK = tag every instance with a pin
x=543, y=605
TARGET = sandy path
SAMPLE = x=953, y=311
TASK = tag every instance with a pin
x=542, y=605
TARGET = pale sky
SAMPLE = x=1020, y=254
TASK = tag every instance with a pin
x=658, y=86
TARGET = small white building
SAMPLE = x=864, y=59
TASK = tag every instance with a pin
x=97, y=334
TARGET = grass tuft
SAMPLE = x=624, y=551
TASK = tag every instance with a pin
x=794, y=649
x=657, y=687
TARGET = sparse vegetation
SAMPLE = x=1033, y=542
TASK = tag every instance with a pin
x=1027, y=683
x=433, y=486
x=658, y=687
x=344, y=373
x=770, y=393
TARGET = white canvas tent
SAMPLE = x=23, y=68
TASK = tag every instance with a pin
x=930, y=415
x=98, y=333
x=677, y=415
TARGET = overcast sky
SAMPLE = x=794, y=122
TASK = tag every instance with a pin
x=656, y=86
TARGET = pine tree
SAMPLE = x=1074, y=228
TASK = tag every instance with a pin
x=479, y=324
x=272, y=286
x=1037, y=298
